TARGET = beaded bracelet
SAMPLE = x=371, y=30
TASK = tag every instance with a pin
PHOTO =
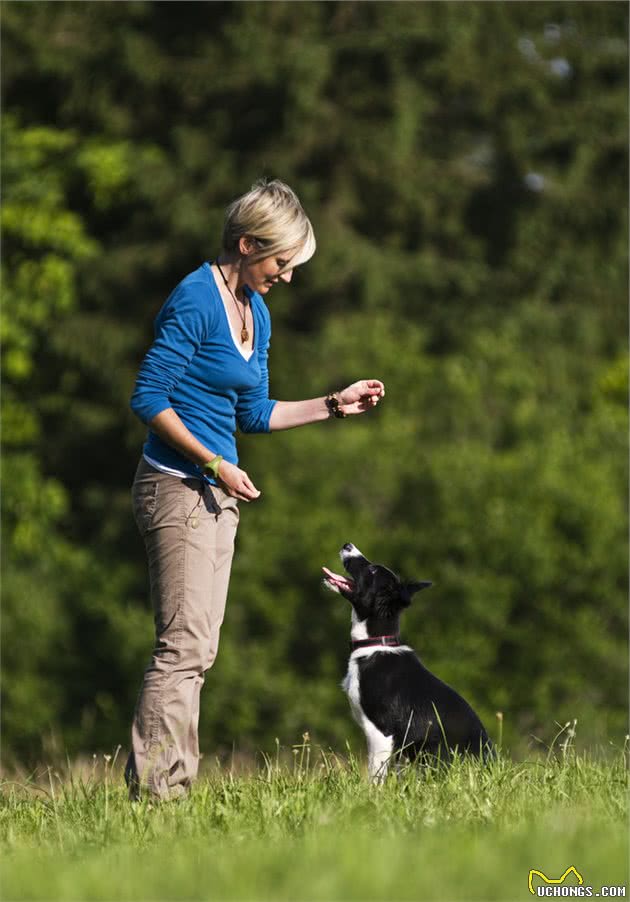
x=332, y=403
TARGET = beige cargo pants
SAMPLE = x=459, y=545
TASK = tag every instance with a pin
x=188, y=530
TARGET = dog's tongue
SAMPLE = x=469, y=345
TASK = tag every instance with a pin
x=336, y=580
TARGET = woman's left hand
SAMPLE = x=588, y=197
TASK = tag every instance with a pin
x=361, y=396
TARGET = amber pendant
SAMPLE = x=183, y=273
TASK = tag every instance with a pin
x=244, y=335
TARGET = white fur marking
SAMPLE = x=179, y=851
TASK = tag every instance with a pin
x=380, y=747
x=352, y=552
x=380, y=750
x=358, y=630
x=374, y=649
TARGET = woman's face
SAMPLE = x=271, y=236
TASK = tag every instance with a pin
x=263, y=274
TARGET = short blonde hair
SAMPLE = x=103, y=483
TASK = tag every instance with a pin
x=273, y=216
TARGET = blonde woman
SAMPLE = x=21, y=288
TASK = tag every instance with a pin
x=204, y=375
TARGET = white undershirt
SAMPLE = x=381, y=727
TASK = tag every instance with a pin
x=246, y=353
x=163, y=469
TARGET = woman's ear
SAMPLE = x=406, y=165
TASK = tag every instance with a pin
x=246, y=245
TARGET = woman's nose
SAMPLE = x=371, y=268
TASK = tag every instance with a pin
x=287, y=276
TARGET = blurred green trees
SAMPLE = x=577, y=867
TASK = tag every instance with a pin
x=465, y=168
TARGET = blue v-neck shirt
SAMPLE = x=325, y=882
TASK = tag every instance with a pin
x=194, y=367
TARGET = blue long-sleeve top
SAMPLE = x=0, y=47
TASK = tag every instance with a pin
x=195, y=367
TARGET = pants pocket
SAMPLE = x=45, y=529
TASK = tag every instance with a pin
x=144, y=500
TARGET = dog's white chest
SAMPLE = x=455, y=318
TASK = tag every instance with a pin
x=350, y=686
x=380, y=747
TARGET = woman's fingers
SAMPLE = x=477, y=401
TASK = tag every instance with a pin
x=373, y=387
x=237, y=483
x=244, y=493
x=249, y=488
x=365, y=395
x=246, y=490
x=362, y=391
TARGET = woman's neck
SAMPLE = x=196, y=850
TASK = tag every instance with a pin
x=231, y=268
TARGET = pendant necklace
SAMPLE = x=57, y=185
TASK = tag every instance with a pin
x=243, y=315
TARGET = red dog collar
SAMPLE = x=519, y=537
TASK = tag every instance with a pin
x=390, y=641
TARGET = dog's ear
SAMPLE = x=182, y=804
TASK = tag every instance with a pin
x=410, y=588
x=415, y=586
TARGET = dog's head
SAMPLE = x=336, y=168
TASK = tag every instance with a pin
x=374, y=591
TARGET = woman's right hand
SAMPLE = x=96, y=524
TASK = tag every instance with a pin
x=236, y=482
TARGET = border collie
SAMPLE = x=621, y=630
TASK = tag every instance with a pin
x=402, y=708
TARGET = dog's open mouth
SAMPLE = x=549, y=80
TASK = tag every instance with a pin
x=336, y=582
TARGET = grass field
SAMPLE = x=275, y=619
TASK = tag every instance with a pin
x=317, y=830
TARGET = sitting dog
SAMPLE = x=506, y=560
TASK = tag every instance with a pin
x=402, y=708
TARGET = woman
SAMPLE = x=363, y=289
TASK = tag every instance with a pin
x=204, y=375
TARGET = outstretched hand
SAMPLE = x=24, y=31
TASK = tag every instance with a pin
x=361, y=396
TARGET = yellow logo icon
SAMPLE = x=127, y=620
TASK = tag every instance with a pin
x=540, y=874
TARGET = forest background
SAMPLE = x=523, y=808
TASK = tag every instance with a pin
x=465, y=168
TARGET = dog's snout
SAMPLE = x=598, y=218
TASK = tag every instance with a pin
x=350, y=554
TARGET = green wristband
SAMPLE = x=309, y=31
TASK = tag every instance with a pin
x=212, y=466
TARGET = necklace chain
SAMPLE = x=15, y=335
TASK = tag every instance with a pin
x=243, y=315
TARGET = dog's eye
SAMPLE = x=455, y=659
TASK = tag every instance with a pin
x=372, y=569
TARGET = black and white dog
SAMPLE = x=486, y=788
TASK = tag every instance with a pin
x=403, y=709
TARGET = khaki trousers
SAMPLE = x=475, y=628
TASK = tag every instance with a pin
x=188, y=529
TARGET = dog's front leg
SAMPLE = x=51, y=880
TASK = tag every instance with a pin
x=380, y=748
x=378, y=767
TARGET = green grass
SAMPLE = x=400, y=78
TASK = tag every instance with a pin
x=320, y=831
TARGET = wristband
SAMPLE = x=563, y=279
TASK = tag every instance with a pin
x=332, y=403
x=212, y=466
